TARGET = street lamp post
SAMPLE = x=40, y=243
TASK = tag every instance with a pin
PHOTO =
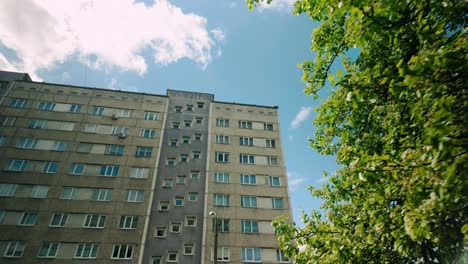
x=215, y=253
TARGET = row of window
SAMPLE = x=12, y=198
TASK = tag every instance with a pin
x=249, y=179
x=248, y=254
x=50, y=249
x=61, y=220
x=221, y=199
x=247, y=141
x=246, y=159
x=222, y=122
x=188, y=107
x=76, y=108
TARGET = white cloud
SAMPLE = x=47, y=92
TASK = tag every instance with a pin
x=301, y=116
x=111, y=84
x=278, y=5
x=102, y=34
x=293, y=181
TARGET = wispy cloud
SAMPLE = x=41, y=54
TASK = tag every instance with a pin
x=301, y=116
x=278, y=5
x=102, y=34
x=294, y=181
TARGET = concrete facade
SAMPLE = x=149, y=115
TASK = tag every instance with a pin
x=106, y=176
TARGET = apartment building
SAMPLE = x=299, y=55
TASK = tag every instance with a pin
x=106, y=176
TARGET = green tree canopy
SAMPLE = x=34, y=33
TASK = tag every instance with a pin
x=396, y=120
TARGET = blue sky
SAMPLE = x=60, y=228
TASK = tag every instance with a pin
x=209, y=46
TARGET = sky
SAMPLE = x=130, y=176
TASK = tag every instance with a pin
x=149, y=46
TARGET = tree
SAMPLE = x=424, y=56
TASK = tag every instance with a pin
x=396, y=119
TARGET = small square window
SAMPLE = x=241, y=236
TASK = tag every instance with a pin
x=14, y=249
x=191, y=221
x=172, y=256
x=167, y=183
x=187, y=123
x=200, y=104
x=181, y=179
x=160, y=231
x=164, y=205
x=185, y=140
x=173, y=142
x=184, y=158
x=176, y=227
x=188, y=249
x=198, y=137
x=179, y=201
x=194, y=175
x=171, y=162
x=196, y=154
x=189, y=108
x=199, y=120
x=178, y=109
x=176, y=125
x=192, y=197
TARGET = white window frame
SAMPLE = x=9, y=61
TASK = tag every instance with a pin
x=62, y=220
x=185, y=140
x=195, y=175
x=46, y=106
x=176, y=125
x=246, y=141
x=222, y=177
x=143, y=151
x=23, y=165
x=50, y=167
x=101, y=195
x=270, y=143
x=163, y=229
x=280, y=257
x=221, y=122
x=26, y=218
x=109, y=170
x=8, y=189
x=134, y=196
x=128, y=222
x=151, y=115
x=249, y=227
x=190, y=246
x=86, y=251
x=164, y=206
x=244, y=254
x=75, y=108
x=14, y=249
x=248, y=201
x=245, y=124
x=8, y=121
x=274, y=202
x=222, y=157
x=223, y=139
x=268, y=126
x=248, y=179
x=247, y=159
x=121, y=247
x=171, y=162
x=39, y=191
x=189, y=218
x=173, y=142
x=97, y=110
x=178, y=199
x=71, y=195
x=197, y=136
x=148, y=133
x=75, y=168
x=190, y=195
x=100, y=222
x=167, y=183
x=139, y=172
x=171, y=260
x=181, y=179
x=27, y=143
x=184, y=158
x=224, y=254
x=272, y=179
x=223, y=225
x=272, y=161
x=17, y=103
x=187, y=123
x=172, y=225
x=221, y=199
x=49, y=245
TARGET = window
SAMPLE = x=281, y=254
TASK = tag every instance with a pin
x=223, y=254
x=134, y=196
x=249, y=226
x=167, y=183
x=192, y=197
x=94, y=221
x=91, y=128
x=128, y=222
x=271, y=143
x=248, y=179
x=46, y=106
x=68, y=192
x=222, y=139
x=221, y=177
x=223, y=225
x=196, y=154
x=114, y=150
x=163, y=205
x=189, y=108
x=249, y=201
x=77, y=168
x=188, y=249
x=48, y=249
x=75, y=108
x=183, y=158
x=222, y=157
x=123, y=112
x=178, y=109
x=39, y=191
x=220, y=199
x=179, y=201
x=148, y=133
x=97, y=111
x=181, y=179
x=14, y=249
x=2, y=140
x=160, y=231
x=272, y=161
x=172, y=256
x=280, y=257
x=86, y=251
x=27, y=143
x=139, y=173
x=84, y=147
x=58, y=220
x=274, y=181
x=185, y=140
x=246, y=141
x=191, y=221
x=268, y=126
x=277, y=203
x=173, y=142
x=151, y=115
x=195, y=175
x=37, y=124
x=156, y=260
x=122, y=252
x=144, y=151
x=101, y=195
x=28, y=219
x=251, y=254
x=200, y=104
x=187, y=123
x=247, y=159
x=198, y=137
x=8, y=121
x=7, y=189
x=50, y=167
x=222, y=122
x=17, y=165
x=245, y=124
x=2, y=215
x=199, y=120
x=109, y=170
x=17, y=103
x=176, y=125
x=120, y=130
x=59, y=146
x=176, y=227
